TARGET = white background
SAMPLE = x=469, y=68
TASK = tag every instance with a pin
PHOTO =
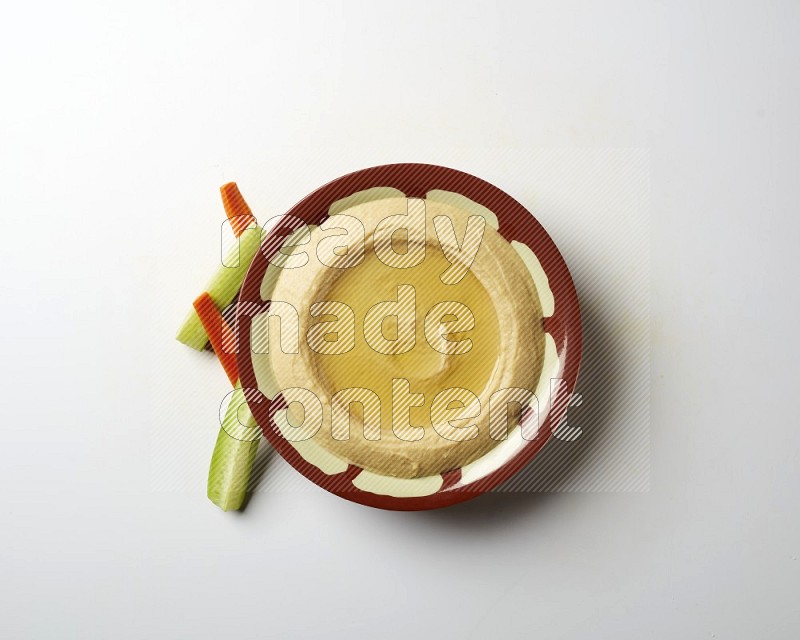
x=117, y=125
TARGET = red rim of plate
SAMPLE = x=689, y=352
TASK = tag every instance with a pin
x=415, y=181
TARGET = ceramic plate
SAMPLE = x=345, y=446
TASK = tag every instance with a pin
x=561, y=322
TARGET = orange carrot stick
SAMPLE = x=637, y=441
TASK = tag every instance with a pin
x=219, y=334
x=236, y=208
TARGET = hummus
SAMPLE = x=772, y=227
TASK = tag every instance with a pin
x=409, y=360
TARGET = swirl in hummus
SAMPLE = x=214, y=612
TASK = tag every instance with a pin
x=420, y=334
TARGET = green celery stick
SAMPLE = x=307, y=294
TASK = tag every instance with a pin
x=223, y=287
x=233, y=455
